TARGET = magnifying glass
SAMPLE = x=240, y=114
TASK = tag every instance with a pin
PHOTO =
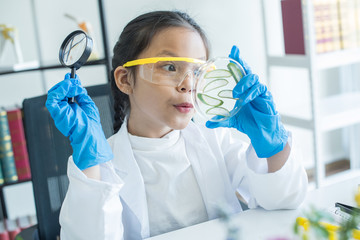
x=74, y=51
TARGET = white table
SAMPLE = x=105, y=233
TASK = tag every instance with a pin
x=265, y=225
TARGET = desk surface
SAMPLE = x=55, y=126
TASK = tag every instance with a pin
x=265, y=225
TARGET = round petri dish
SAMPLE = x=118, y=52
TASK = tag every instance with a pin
x=212, y=90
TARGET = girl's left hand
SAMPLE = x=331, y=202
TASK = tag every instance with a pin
x=257, y=117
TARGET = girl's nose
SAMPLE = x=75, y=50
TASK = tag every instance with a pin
x=186, y=83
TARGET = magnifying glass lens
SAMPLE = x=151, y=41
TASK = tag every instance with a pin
x=74, y=49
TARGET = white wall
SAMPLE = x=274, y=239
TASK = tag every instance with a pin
x=226, y=23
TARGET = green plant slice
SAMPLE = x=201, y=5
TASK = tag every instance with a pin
x=210, y=101
x=214, y=84
x=226, y=94
x=218, y=73
x=235, y=72
x=218, y=111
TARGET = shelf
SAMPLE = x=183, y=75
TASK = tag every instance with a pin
x=288, y=61
x=14, y=183
x=333, y=112
x=341, y=176
x=336, y=178
x=34, y=67
x=322, y=61
x=339, y=58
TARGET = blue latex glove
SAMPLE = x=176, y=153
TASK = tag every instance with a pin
x=81, y=122
x=257, y=117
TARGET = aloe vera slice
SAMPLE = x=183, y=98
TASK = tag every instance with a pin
x=226, y=94
x=218, y=73
x=214, y=84
x=210, y=101
x=235, y=72
x=219, y=111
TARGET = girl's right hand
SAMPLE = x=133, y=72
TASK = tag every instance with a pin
x=79, y=121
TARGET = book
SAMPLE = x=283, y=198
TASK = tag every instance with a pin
x=335, y=24
x=319, y=25
x=347, y=21
x=357, y=14
x=2, y=180
x=12, y=228
x=6, y=153
x=4, y=235
x=293, y=26
x=326, y=24
x=15, y=120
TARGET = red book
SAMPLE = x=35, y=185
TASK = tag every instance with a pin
x=12, y=228
x=13, y=233
x=19, y=144
x=4, y=235
x=293, y=26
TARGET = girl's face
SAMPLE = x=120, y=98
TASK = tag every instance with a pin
x=155, y=109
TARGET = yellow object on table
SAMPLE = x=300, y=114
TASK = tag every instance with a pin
x=331, y=228
x=357, y=197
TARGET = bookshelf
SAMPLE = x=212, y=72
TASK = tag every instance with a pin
x=322, y=114
x=3, y=204
x=41, y=67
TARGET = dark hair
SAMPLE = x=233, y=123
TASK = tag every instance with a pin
x=136, y=37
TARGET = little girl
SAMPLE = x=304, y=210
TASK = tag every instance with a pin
x=160, y=171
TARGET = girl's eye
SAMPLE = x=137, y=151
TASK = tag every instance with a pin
x=170, y=67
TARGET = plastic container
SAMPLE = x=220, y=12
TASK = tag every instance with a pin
x=212, y=90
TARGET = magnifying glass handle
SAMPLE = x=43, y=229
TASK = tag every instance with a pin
x=73, y=71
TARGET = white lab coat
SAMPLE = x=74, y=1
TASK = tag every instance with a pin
x=116, y=207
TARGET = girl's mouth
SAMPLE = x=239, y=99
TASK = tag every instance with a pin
x=184, y=107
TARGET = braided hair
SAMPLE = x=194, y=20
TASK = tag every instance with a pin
x=136, y=37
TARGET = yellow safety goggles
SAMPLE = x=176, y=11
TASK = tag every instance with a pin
x=166, y=71
x=157, y=59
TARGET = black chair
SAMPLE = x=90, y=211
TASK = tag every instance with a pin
x=48, y=153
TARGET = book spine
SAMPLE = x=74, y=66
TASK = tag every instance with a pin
x=12, y=228
x=293, y=26
x=2, y=180
x=6, y=152
x=347, y=21
x=19, y=144
x=327, y=26
x=335, y=26
x=319, y=26
x=4, y=235
x=357, y=15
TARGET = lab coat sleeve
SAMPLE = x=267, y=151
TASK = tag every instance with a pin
x=283, y=189
x=92, y=208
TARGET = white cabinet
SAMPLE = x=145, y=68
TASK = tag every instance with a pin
x=317, y=113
